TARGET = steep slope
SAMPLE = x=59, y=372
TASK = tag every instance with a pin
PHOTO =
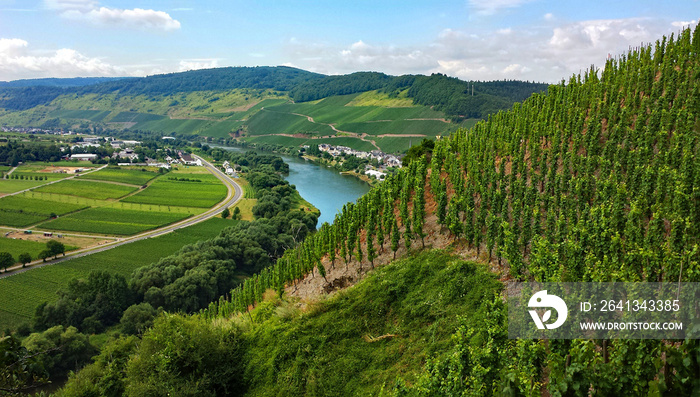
x=598, y=180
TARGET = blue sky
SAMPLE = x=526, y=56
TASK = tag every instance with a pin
x=538, y=40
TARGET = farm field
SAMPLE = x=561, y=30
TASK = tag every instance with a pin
x=271, y=121
x=114, y=221
x=21, y=293
x=88, y=189
x=17, y=247
x=16, y=185
x=133, y=175
x=166, y=191
x=22, y=211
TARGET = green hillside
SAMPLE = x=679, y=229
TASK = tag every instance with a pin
x=597, y=180
x=251, y=103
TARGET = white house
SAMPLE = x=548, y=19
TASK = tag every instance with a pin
x=83, y=157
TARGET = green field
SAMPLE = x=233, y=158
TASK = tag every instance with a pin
x=17, y=246
x=23, y=211
x=131, y=175
x=113, y=221
x=165, y=191
x=21, y=293
x=88, y=189
x=16, y=185
x=275, y=122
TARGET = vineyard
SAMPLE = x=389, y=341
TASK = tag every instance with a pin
x=114, y=221
x=87, y=189
x=130, y=175
x=597, y=180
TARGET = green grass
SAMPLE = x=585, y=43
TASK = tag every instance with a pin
x=21, y=293
x=332, y=347
x=17, y=246
x=203, y=194
x=88, y=189
x=114, y=221
x=131, y=175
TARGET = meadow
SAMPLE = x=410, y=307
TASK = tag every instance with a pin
x=88, y=189
x=113, y=221
x=21, y=293
x=130, y=175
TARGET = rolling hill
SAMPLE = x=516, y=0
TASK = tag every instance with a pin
x=278, y=105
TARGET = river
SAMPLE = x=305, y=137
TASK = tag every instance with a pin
x=325, y=188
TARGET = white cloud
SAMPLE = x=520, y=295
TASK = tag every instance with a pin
x=90, y=11
x=194, y=64
x=547, y=53
x=16, y=62
x=548, y=16
x=684, y=24
x=490, y=7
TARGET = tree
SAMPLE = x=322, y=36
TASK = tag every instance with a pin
x=236, y=214
x=20, y=370
x=225, y=213
x=24, y=258
x=44, y=254
x=55, y=248
x=138, y=318
x=6, y=260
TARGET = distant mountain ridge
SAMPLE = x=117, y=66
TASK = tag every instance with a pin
x=457, y=98
x=57, y=82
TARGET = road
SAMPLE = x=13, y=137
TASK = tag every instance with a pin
x=235, y=193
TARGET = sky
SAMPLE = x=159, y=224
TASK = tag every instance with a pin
x=534, y=40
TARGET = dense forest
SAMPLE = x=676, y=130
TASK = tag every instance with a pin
x=595, y=180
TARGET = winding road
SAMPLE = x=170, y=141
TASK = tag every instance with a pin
x=235, y=193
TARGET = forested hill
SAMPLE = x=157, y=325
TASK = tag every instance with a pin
x=56, y=82
x=597, y=180
x=450, y=95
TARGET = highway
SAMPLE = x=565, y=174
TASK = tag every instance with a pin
x=235, y=193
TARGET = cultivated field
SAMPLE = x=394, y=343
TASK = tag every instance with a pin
x=88, y=189
x=130, y=175
x=21, y=293
x=114, y=221
x=22, y=211
x=182, y=189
